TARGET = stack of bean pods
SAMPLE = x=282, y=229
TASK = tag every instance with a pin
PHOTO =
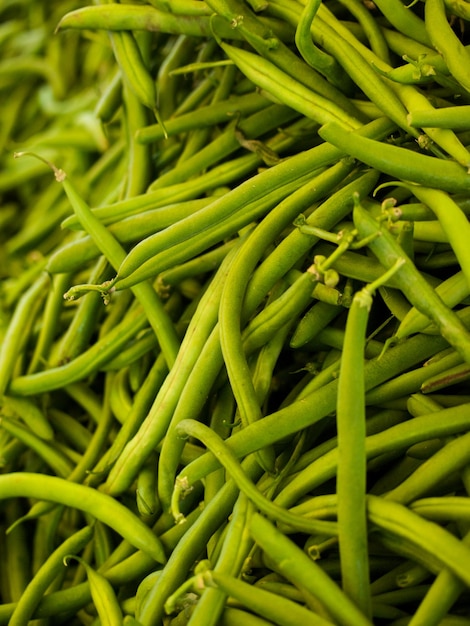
x=234, y=321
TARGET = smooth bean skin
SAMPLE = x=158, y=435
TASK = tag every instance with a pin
x=351, y=474
x=286, y=89
x=216, y=444
x=297, y=567
x=14, y=337
x=313, y=407
x=284, y=612
x=72, y=255
x=152, y=431
x=412, y=284
x=103, y=595
x=116, y=17
x=432, y=540
x=86, y=363
x=405, y=21
x=398, y=162
x=448, y=459
x=96, y=504
x=446, y=41
x=37, y=587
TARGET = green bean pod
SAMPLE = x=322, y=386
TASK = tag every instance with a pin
x=404, y=20
x=280, y=611
x=54, y=564
x=451, y=457
x=96, y=504
x=303, y=572
x=446, y=41
x=412, y=284
x=399, y=162
x=351, y=476
x=437, y=545
x=286, y=89
x=102, y=594
x=216, y=445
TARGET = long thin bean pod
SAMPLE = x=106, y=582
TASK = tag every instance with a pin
x=86, y=499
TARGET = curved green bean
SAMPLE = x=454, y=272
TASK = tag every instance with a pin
x=446, y=41
x=433, y=541
x=34, y=592
x=96, y=504
x=297, y=567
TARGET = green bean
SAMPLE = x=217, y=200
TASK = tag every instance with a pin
x=317, y=318
x=54, y=458
x=414, y=286
x=117, y=18
x=446, y=42
x=137, y=174
x=228, y=202
x=286, y=89
x=72, y=255
x=313, y=407
x=206, y=262
x=97, y=504
x=434, y=542
x=291, y=249
x=211, y=356
x=256, y=125
x=398, y=162
x=321, y=61
x=133, y=69
x=52, y=311
x=297, y=567
x=275, y=52
x=452, y=457
x=189, y=547
x=320, y=156
x=102, y=593
x=410, y=382
x=452, y=291
x=452, y=376
x=110, y=99
x=215, y=444
x=208, y=115
x=112, y=249
x=278, y=610
x=439, y=599
x=237, y=544
x=152, y=431
x=379, y=91
x=51, y=568
x=233, y=616
x=372, y=30
x=30, y=414
x=405, y=21
x=147, y=501
x=446, y=117
x=351, y=475
x=19, y=329
x=199, y=241
x=452, y=219
x=232, y=297
x=17, y=553
x=79, y=332
x=219, y=175
x=142, y=402
x=410, y=97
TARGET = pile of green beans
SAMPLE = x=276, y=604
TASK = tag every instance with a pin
x=234, y=313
